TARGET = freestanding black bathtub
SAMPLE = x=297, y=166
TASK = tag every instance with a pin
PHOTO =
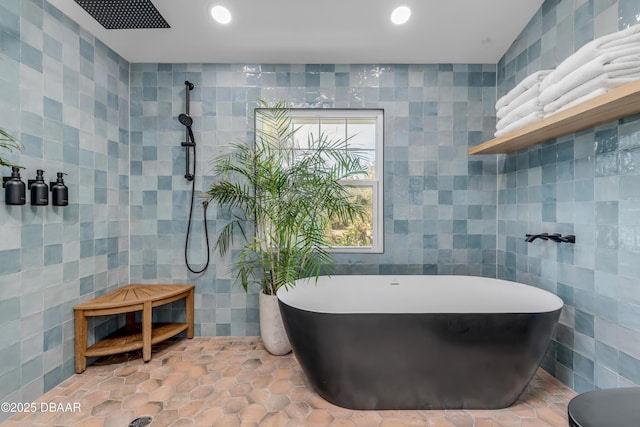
x=419, y=342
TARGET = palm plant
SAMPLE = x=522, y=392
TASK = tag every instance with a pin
x=288, y=195
x=9, y=143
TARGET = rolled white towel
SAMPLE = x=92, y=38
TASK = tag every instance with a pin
x=586, y=72
x=521, y=87
x=580, y=92
x=531, y=118
x=590, y=51
x=529, y=94
x=521, y=111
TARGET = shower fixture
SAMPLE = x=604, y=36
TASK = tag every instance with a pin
x=555, y=237
x=124, y=14
x=189, y=144
x=187, y=121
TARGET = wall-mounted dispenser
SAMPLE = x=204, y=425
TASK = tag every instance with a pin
x=59, y=192
x=15, y=189
x=39, y=190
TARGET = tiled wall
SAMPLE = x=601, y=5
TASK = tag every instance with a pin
x=65, y=95
x=439, y=206
x=69, y=99
x=584, y=184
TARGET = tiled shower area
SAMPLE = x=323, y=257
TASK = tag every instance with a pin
x=80, y=108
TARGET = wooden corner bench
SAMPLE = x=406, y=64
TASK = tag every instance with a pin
x=129, y=299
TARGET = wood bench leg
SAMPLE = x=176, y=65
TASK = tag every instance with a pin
x=147, y=320
x=80, y=341
x=190, y=317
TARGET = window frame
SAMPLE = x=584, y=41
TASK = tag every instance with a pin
x=376, y=185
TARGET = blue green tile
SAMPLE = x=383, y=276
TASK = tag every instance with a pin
x=628, y=11
x=629, y=367
x=9, y=261
x=584, y=323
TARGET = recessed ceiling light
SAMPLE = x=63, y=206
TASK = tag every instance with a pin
x=221, y=14
x=400, y=15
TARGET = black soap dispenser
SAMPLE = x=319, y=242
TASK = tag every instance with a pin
x=14, y=188
x=59, y=192
x=39, y=190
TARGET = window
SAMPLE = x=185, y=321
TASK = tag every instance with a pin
x=362, y=131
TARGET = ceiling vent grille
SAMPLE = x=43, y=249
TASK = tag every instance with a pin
x=124, y=14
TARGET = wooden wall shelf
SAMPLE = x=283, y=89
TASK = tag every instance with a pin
x=620, y=102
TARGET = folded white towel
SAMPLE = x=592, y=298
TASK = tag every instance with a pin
x=521, y=87
x=625, y=59
x=627, y=36
x=590, y=51
x=621, y=51
x=601, y=82
x=531, y=118
x=577, y=78
x=582, y=56
x=521, y=111
x=611, y=38
x=626, y=72
x=529, y=94
x=580, y=100
x=596, y=67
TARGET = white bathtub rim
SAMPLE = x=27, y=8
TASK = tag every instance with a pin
x=417, y=294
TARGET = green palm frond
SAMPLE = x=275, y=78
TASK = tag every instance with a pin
x=10, y=144
x=288, y=195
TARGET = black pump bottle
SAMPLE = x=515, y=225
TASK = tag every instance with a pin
x=59, y=192
x=39, y=190
x=15, y=189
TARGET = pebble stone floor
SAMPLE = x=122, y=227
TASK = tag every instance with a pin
x=235, y=382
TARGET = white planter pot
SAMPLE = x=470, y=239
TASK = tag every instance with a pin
x=272, y=330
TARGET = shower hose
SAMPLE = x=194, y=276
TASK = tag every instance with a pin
x=205, y=204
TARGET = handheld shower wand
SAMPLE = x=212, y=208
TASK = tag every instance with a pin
x=187, y=121
x=189, y=143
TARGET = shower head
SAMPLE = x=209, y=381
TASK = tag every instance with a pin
x=124, y=14
x=185, y=119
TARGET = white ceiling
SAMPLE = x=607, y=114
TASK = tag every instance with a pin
x=326, y=31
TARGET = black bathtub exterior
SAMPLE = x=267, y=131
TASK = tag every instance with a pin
x=372, y=361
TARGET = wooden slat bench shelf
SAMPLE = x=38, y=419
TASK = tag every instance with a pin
x=129, y=299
